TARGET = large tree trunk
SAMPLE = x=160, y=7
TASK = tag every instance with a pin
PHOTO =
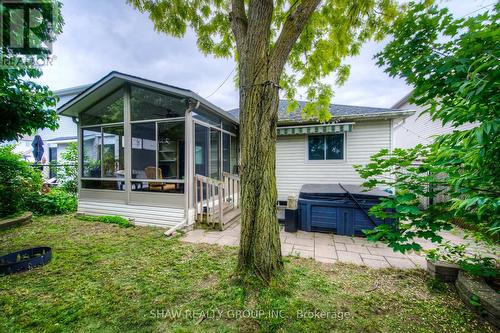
x=260, y=68
x=260, y=249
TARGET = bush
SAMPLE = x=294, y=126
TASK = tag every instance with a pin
x=19, y=182
x=69, y=177
x=114, y=219
x=52, y=203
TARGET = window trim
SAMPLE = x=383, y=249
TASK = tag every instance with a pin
x=101, y=150
x=325, y=160
x=99, y=101
x=221, y=131
x=168, y=120
x=156, y=91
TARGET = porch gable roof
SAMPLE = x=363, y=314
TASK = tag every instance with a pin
x=115, y=80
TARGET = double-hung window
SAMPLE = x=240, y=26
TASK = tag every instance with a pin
x=326, y=147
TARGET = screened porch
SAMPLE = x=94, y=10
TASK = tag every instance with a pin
x=143, y=144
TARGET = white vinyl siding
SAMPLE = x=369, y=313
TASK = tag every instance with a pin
x=142, y=215
x=420, y=128
x=293, y=169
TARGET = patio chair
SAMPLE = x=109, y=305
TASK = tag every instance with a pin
x=151, y=173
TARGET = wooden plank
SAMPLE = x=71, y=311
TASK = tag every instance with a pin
x=221, y=210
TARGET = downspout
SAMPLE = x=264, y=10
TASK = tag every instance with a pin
x=176, y=227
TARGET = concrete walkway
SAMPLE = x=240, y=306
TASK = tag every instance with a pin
x=321, y=247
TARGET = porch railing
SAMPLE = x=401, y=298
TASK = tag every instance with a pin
x=217, y=202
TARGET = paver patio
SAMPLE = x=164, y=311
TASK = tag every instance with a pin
x=326, y=248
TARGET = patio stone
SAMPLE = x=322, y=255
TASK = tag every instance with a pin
x=304, y=247
x=192, y=239
x=304, y=241
x=419, y=261
x=319, y=235
x=325, y=248
x=305, y=234
x=302, y=253
x=230, y=241
x=326, y=260
x=386, y=252
x=340, y=247
x=195, y=232
x=324, y=241
x=286, y=249
x=372, y=257
x=288, y=234
x=343, y=239
x=210, y=240
x=361, y=241
x=400, y=262
x=349, y=257
x=213, y=234
x=376, y=263
x=324, y=251
x=232, y=232
x=357, y=248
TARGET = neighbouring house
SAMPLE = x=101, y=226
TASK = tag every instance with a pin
x=419, y=128
x=164, y=156
x=55, y=141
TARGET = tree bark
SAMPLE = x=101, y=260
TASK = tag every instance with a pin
x=260, y=69
x=260, y=248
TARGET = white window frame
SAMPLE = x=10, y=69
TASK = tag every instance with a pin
x=325, y=160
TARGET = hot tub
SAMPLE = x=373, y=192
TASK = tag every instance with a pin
x=338, y=208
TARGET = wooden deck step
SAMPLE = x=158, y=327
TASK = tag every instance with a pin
x=228, y=208
x=231, y=218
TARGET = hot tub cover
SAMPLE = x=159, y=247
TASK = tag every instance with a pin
x=317, y=191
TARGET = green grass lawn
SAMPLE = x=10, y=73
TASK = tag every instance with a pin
x=109, y=279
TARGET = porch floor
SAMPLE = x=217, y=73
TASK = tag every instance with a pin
x=326, y=248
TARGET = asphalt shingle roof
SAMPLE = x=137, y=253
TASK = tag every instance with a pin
x=336, y=110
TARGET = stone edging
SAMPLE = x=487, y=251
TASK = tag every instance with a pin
x=25, y=218
x=484, y=299
x=443, y=271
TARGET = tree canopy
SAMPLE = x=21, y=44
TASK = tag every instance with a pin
x=454, y=69
x=327, y=33
x=26, y=105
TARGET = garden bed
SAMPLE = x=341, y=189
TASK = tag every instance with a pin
x=16, y=221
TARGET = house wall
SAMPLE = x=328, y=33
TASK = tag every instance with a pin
x=419, y=128
x=293, y=169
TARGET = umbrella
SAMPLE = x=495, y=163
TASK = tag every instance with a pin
x=37, y=145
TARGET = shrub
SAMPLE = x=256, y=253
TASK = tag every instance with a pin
x=69, y=177
x=114, y=219
x=19, y=182
x=52, y=203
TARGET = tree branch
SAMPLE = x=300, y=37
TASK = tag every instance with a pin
x=239, y=22
x=292, y=28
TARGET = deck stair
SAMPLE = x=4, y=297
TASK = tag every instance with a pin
x=217, y=201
